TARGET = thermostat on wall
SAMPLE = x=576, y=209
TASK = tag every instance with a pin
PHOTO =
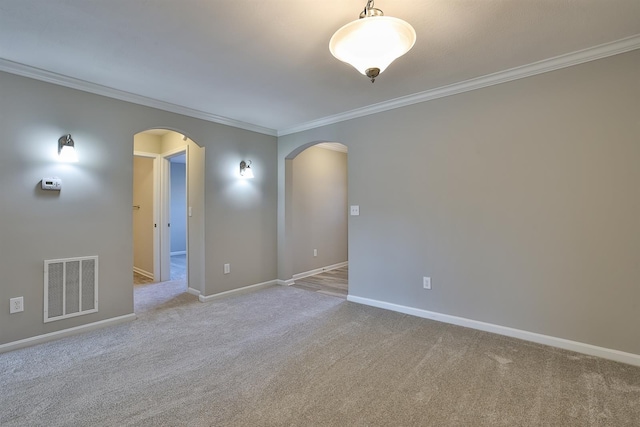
x=52, y=184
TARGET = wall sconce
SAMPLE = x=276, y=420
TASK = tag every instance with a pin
x=67, y=149
x=245, y=169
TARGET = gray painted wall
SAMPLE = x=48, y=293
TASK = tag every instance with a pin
x=319, y=209
x=178, y=207
x=92, y=214
x=520, y=200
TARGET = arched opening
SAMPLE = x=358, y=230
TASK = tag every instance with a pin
x=167, y=216
x=316, y=181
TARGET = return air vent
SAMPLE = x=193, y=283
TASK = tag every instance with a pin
x=70, y=287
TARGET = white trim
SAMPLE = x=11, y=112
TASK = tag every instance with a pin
x=546, y=65
x=578, y=347
x=178, y=253
x=146, y=153
x=174, y=152
x=59, y=79
x=143, y=273
x=320, y=270
x=285, y=282
x=165, y=216
x=257, y=286
x=39, y=339
x=193, y=292
x=333, y=146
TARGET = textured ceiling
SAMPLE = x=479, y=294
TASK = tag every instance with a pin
x=268, y=63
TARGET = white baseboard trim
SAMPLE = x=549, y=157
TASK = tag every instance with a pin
x=145, y=273
x=39, y=339
x=244, y=289
x=193, y=292
x=319, y=270
x=285, y=282
x=178, y=253
x=578, y=347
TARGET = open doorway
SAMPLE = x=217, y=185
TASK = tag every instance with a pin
x=168, y=215
x=319, y=219
x=177, y=202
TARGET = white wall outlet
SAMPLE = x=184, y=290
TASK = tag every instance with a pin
x=426, y=282
x=16, y=305
x=227, y=268
x=315, y=252
x=355, y=210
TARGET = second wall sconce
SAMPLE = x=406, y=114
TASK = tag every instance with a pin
x=67, y=149
x=245, y=169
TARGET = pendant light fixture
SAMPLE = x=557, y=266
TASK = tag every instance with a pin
x=372, y=42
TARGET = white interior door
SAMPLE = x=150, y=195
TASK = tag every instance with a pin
x=165, y=220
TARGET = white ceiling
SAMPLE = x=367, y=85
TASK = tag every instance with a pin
x=267, y=63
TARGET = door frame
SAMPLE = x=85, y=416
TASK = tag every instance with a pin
x=196, y=177
x=165, y=212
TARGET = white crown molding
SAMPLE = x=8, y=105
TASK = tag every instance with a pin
x=59, y=79
x=578, y=347
x=544, y=66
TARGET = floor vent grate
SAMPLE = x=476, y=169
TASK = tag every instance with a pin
x=70, y=287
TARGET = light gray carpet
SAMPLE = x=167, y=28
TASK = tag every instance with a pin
x=178, y=271
x=283, y=356
x=178, y=267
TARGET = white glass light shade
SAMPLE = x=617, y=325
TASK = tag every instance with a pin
x=372, y=42
x=245, y=169
x=68, y=154
x=248, y=173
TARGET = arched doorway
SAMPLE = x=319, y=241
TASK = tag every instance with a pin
x=168, y=210
x=316, y=181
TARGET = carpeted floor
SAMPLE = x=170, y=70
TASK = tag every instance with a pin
x=178, y=271
x=284, y=356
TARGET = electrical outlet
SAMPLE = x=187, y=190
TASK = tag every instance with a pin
x=16, y=305
x=426, y=282
x=355, y=210
x=315, y=252
x=227, y=268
